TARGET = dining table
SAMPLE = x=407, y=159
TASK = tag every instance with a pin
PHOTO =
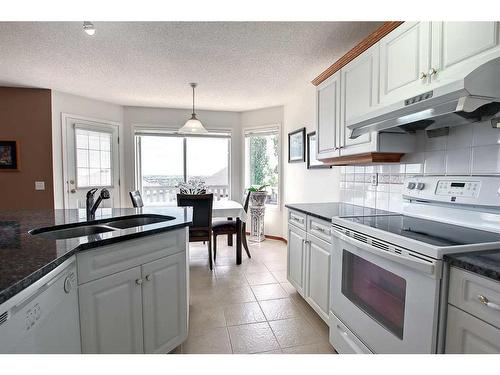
x=231, y=209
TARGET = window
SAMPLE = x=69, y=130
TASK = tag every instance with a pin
x=93, y=158
x=164, y=160
x=262, y=159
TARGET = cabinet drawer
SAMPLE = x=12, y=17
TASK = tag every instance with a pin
x=343, y=340
x=466, y=334
x=297, y=218
x=106, y=260
x=465, y=291
x=319, y=228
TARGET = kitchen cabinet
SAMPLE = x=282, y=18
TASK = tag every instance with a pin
x=404, y=61
x=473, y=318
x=296, y=258
x=134, y=299
x=328, y=117
x=460, y=47
x=308, y=267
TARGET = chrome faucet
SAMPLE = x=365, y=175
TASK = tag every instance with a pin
x=91, y=205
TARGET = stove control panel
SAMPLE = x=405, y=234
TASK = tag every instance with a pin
x=456, y=188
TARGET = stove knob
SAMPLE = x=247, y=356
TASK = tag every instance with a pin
x=411, y=185
x=420, y=186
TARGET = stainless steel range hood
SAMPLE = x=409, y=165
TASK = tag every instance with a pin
x=472, y=98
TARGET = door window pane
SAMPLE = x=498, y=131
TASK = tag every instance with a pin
x=378, y=292
x=93, y=158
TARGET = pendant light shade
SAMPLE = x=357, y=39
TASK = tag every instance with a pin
x=193, y=125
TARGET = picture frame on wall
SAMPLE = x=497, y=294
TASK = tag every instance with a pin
x=297, y=146
x=9, y=155
x=312, y=162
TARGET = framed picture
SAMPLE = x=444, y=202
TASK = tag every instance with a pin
x=9, y=155
x=312, y=162
x=297, y=146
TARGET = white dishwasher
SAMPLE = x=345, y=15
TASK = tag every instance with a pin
x=44, y=317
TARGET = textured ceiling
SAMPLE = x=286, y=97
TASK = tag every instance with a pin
x=238, y=65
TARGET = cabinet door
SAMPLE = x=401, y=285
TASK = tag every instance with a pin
x=318, y=275
x=164, y=301
x=328, y=117
x=111, y=313
x=296, y=258
x=466, y=334
x=404, y=56
x=359, y=96
x=459, y=47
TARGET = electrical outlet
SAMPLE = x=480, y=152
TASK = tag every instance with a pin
x=39, y=185
x=374, y=179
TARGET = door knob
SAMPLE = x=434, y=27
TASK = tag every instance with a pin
x=138, y=281
x=432, y=72
x=148, y=277
x=73, y=191
x=423, y=75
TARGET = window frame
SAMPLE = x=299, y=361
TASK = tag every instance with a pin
x=262, y=129
x=147, y=130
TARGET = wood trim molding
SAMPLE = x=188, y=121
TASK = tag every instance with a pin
x=277, y=238
x=361, y=47
x=367, y=158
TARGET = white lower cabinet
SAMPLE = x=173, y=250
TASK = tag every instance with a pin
x=308, y=267
x=140, y=309
x=318, y=275
x=111, y=313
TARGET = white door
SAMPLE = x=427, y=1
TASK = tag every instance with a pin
x=318, y=276
x=360, y=81
x=91, y=161
x=460, y=47
x=164, y=303
x=466, y=334
x=328, y=117
x=111, y=313
x=404, y=61
x=296, y=258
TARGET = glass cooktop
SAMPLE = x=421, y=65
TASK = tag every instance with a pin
x=428, y=231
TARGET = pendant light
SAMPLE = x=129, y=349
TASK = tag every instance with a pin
x=193, y=125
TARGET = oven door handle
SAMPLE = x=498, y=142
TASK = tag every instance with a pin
x=415, y=263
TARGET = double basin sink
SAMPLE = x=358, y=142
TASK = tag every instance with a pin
x=102, y=226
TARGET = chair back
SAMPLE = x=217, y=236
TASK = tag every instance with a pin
x=135, y=197
x=246, y=199
x=202, y=208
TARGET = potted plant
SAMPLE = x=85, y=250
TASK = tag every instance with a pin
x=258, y=195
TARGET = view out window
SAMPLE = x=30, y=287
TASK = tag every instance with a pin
x=262, y=161
x=93, y=158
x=165, y=160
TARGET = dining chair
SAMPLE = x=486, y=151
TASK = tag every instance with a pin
x=201, y=229
x=229, y=228
x=136, y=198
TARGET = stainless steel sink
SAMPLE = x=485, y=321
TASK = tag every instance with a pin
x=102, y=226
x=79, y=231
x=137, y=221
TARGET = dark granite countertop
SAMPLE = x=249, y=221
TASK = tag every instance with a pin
x=328, y=210
x=485, y=263
x=25, y=258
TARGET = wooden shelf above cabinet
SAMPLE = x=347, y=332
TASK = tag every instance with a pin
x=361, y=47
x=367, y=158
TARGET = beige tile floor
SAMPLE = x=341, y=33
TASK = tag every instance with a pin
x=249, y=308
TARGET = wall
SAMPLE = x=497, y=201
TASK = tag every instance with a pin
x=25, y=117
x=174, y=119
x=77, y=105
x=472, y=149
x=273, y=222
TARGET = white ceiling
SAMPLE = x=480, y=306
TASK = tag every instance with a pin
x=238, y=65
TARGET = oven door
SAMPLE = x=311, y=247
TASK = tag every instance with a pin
x=388, y=301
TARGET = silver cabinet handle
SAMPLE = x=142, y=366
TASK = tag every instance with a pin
x=323, y=230
x=485, y=301
x=432, y=72
x=297, y=219
x=138, y=281
x=148, y=277
x=423, y=76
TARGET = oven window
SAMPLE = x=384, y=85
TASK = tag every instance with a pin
x=378, y=292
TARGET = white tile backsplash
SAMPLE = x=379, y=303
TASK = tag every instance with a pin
x=472, y=149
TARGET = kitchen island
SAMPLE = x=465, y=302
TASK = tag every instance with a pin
x=131, y=279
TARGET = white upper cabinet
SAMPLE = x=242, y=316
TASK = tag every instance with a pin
x=359, y=94
x=404, y=61
x=328, y=117
x=460, y=47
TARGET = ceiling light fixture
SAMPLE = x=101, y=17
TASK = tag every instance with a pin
x=88, y=27
x=193, y=125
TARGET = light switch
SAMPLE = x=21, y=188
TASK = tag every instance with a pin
x=39, y=185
